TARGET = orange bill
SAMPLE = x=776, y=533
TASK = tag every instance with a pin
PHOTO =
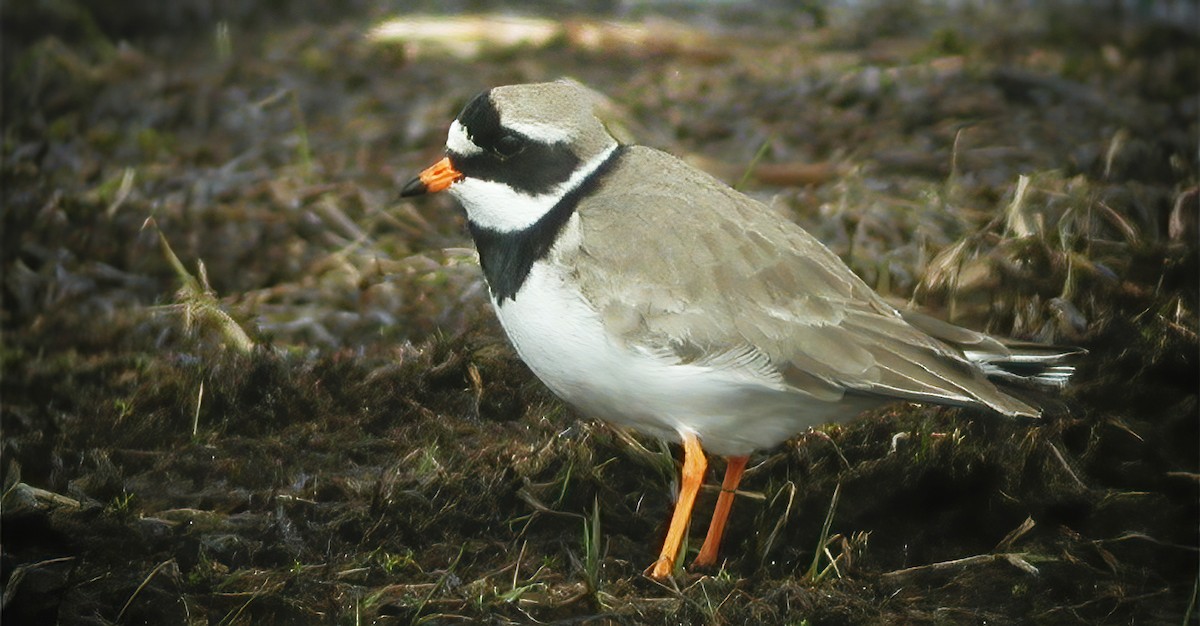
x=435, y=178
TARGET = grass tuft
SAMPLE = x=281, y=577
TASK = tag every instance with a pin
x=815, y=572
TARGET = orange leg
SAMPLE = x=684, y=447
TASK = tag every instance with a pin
x=694, y=465
x=735, y=465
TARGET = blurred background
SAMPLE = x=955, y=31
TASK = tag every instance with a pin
x=243, y=382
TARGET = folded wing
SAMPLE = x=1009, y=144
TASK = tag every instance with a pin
x=713, y=276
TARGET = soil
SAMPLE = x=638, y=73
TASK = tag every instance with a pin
x=244, y=383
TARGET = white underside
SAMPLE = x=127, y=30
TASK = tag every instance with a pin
x=733, y=410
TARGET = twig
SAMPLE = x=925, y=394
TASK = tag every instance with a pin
x=18, y=575
x=441, y=581
x=787, y=512
x=196, y=414
x=824, y=435
x=256, y=593
x=1067, y=466
x=140, y=587
x=1007, y=542
x=1015, y=559
x=1187, y=616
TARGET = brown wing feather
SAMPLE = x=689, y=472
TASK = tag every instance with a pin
x=676, y=261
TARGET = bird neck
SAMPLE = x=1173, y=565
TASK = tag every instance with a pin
x=507, y=257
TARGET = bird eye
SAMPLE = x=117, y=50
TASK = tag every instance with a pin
x=509, y=145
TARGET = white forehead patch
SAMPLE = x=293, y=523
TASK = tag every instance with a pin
x=458, y=142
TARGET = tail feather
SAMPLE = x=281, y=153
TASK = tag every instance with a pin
x=1005, y=361
x=1032, y=364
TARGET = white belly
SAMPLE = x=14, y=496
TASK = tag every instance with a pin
x=733, y=411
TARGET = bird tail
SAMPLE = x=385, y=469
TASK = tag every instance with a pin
x=1025, y=363
x=1005, y=361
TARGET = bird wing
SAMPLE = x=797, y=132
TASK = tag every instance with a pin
x=679, y=264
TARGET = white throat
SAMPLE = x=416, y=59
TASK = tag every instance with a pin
x=497, y=206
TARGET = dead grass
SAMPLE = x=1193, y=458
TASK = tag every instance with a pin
x=342, y=435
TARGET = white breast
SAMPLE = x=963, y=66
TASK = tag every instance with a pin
x=733, y=410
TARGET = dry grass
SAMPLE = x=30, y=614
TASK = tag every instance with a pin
x=341, y=435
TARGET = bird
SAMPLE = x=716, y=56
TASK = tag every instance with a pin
x=648, y=294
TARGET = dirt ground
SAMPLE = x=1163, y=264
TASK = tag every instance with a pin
x=243, y=383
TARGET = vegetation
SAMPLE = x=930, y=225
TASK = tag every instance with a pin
x=244, y=384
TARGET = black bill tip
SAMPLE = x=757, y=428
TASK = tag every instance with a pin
x=415, y=187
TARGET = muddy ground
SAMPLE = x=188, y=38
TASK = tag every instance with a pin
x=243, y=383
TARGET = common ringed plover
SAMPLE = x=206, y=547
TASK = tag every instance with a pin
x=649, y=294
